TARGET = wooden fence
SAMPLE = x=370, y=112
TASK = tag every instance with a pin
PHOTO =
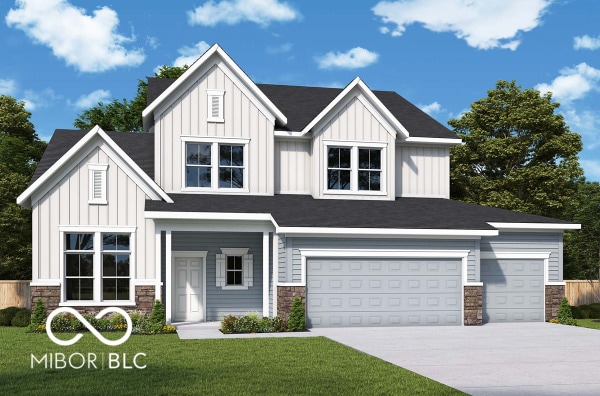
x=14, y=293
x=582, y=292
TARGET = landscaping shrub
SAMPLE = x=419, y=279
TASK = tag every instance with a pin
x=22, y=318
x=591, y=311
x=564, y=313
x=228, y=324
x=279, y=324
x=247, y=324
x=158, y=313
x=7, y=315
x=265, y=325
x=297, y=319
x=38, y=316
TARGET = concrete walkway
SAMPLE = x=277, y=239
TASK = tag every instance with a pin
x=494, y=359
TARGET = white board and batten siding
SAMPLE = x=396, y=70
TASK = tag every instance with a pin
x=66, y=204
x=353, y=122
x=292, y=167
x=422, y=171
x=187, y=117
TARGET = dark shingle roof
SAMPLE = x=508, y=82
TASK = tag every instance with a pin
x=139, y=146
x=305, y=211
x=302, y=104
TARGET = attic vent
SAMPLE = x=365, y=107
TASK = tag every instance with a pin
x=215, y=105
x=97, y=182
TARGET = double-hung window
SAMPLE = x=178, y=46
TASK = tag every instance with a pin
x=354, y=168
x=97, y=266
x=234, y=269
x=215, y=165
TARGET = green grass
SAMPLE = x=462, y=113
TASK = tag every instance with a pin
x=589, y=323
x=255, y=366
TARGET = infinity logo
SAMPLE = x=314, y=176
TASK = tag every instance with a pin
x=89, y=326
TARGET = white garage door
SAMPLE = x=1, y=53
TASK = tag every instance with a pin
x=389, y=292
x=513, y=290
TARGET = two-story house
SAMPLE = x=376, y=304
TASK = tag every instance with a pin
x=242, y=196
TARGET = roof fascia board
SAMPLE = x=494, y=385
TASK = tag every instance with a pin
x=432, y=141
x=78, y=152
x=534, y=226
x=294, y=135
x=327, y=231
x=381, y=109
x=165, y=215
x=198, y=65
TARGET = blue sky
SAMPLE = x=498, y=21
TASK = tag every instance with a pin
x=63, y=56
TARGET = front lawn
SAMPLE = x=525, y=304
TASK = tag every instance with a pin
x=265, y=366
x=589, y=323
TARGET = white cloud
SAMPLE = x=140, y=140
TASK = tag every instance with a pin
x=584, y=122
x=353, y=59
x=573, y=83
x=231, y=12
x=431, y=108
x=88, y=43
x=482, y=24
x=38, y=99
x=279, y=49
x=188, y=55
x=152, y=42
x=586, y=42
x=92, y=99
x=7, y=87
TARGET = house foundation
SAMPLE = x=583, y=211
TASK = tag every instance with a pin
x=473, y=306
x=554, y=295
x=285, y=299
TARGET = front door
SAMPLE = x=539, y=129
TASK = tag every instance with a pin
x=188, y=284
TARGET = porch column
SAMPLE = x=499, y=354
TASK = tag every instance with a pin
x=168, y=279
x=265, y=253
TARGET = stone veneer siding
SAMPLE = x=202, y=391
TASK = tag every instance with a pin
x=285, y=299
x=144, y=299
x=473, y=305
x=554, y=295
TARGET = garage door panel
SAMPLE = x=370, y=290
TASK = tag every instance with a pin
x=513, y=290
x=383, y=292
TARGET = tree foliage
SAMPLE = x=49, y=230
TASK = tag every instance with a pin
x=518, y=154
x=123, y=115
x=20, y=151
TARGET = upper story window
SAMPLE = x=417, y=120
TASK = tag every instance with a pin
x=97, y=184
x=354, y=168
x=215, y=105
x=215, y=166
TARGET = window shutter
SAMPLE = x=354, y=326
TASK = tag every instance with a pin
x=220, y=270
x=248, y=274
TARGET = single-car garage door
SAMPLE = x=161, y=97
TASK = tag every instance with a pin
x=513, y=290
x=388, y=292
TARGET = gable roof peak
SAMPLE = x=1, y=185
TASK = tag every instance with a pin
x=213, y=51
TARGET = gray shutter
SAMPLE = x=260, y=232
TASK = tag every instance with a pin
x=220, y=270
x=248, y=270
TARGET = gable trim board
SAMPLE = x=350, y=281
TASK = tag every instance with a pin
x=183, y=83
x=76, y=154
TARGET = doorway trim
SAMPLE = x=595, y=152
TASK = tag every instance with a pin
x=186, y=254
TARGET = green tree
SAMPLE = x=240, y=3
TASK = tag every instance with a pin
x=20, y=151
x=581, y=253
x=518, y=154
x=123, y=115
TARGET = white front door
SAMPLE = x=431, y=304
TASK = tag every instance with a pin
x=188, y=284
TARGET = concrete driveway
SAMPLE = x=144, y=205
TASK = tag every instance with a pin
x=494, y=359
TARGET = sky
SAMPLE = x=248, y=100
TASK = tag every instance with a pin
x=63, y=56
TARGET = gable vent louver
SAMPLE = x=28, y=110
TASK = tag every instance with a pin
x=215, y=105
x=97, y=188
x=97, y=184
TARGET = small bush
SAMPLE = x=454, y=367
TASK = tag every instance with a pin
x=279, y=324
x=22, y=318
x=7, y=315
x=265, y=325
x=247, y=324
x=62, y=322
x=228, y=324
x=297, y=319
x=169, y=329
x=117, y=320
x=158, y=313
x=565, y=316
x=38, y=316
x=137, y=317
x=590, y=311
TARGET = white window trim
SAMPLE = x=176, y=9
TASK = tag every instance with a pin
x=354, y=146
x=210, y=95
x=100, y=169
x=97, y=252
x=214, y=153
x=237, y=252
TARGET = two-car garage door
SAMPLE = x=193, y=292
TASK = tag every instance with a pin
x=383, y=292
